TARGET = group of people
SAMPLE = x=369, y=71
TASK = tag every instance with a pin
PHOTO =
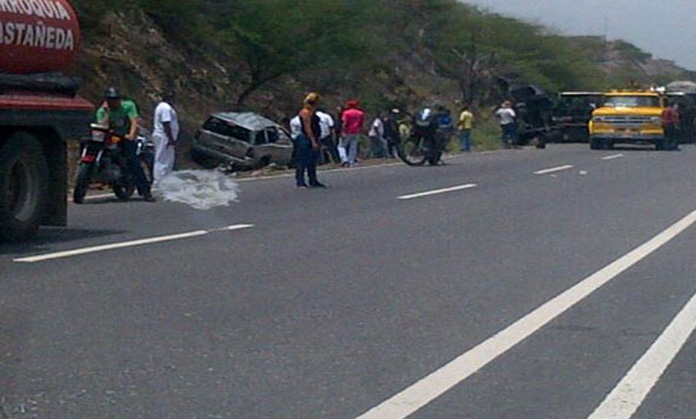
x=314, y=133
x=122, y=117
x=321, y=138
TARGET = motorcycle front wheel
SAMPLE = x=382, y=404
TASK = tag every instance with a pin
x=123, y=192
x=84, y=178
x=412, y=151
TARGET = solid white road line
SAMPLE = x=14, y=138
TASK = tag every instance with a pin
x=629, y=394
x=613, y=157
x=434, y=385
x=437, y=192
x=553, y=170
x=113, y=246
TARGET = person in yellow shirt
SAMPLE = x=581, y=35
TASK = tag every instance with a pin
x=465, y=126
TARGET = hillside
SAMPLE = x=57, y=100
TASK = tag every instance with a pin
x=621, y=61
x=265, y=55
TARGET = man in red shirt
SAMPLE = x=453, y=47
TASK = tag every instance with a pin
x=670, y=124
x=352, y=123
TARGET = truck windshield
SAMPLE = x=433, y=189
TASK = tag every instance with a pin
x=632, y=102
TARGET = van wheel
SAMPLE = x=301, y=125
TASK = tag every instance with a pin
x=595, y=144
x=23, y=187
x=203, y=160
x=265, y=161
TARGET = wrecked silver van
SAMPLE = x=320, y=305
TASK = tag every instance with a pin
x=241, y=139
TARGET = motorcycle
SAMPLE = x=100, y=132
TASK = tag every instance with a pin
x=146, y=153
x=102, y=161
x=426, y=142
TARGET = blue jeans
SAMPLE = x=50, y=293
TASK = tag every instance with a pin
x=129, y=149
x=509, y=135
x=465, y=140
x=306, y=161
x=378, y=147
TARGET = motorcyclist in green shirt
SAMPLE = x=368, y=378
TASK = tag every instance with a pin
x=121, y=116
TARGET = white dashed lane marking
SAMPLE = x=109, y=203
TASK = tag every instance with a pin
x=553, y=170
x=133, y=243
x=437, y=192
x=613, y=157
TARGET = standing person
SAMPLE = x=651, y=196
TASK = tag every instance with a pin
x=508, y=124
x=295, y=127
x=122, y=117
x=670, y=124
x=308, y=146
x=391, y=133
x=338, y=128
x=353, y=120
x=326, y=140
x=404, y=128
x=376, y=134
x=165, y=135
x=465, y=126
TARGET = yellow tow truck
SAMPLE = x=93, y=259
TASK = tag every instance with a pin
x=629, y=117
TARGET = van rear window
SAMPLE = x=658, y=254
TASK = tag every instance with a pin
x=227, y=129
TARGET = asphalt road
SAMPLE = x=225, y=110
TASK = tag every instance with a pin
x=507, y=290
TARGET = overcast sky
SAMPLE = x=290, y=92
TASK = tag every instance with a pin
x=664, y=28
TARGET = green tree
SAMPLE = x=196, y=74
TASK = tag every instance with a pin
x=277, y=38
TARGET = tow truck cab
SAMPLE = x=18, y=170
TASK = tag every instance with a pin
x=628, y=117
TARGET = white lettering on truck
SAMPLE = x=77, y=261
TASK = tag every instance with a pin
x=50, y=9
x=36, y=36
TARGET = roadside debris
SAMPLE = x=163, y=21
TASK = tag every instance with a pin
x=199, y=189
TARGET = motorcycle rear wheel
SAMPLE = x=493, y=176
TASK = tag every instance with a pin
x=412, y=151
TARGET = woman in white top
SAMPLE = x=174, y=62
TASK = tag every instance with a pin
x=378, y=145
x=508, y=124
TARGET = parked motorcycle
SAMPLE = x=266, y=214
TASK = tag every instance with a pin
x=146, y=153
x=426, y=142
x=102, y=161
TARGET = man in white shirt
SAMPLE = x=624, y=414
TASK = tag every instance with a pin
x=326, y=123
x=295, y=127
x=166, y=132
x=378, y=144
x=508, y=124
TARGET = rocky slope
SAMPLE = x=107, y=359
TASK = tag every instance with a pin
x=128, y=49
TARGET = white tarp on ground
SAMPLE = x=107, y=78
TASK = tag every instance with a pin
x=200, y=189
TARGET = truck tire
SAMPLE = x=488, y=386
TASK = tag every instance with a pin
x=595, y=144
x=23, y=187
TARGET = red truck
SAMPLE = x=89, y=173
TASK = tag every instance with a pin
x=39, y=112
